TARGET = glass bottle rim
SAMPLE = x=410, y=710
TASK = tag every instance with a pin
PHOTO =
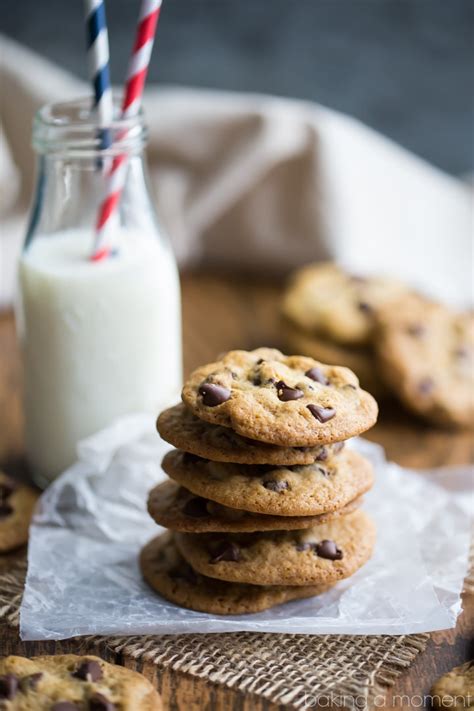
x=73, y=128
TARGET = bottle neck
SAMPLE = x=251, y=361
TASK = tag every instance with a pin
x=71, y=130
x=74, y=171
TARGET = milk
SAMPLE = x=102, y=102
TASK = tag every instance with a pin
x=99, y=340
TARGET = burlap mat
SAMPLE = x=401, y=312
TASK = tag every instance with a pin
x=299, y=671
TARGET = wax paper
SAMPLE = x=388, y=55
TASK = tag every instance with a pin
x=83, y=577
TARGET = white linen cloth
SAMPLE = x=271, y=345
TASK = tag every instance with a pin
x=259, y=183
x=83, y=575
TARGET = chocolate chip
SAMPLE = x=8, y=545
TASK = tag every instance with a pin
x=273, y=485
x=65, y=706
x=364, y=307
x=5, y=509
x=98, y=702
x=226, y=550
x=234, y=375
x=415, y=329
x=8, y=686
x=322, y=455
x=337, y=446
x=288, y=394
x=213, y=395
x=462, y=352
x=285, y=393
x=196, y=507
x=426, y=385
x=257, y=381
x=30, y=682
x=88, y=670
x=323, y=471
x=184, y=572
x=323, y=414
x=7, y=488
x=189, y=458
x=329, y=550
x=260, y=361
x=317, y=375
x=304, y=546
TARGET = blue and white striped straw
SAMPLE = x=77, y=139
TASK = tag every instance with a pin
x=98, y=55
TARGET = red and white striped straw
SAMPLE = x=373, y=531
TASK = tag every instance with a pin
x=134, y=83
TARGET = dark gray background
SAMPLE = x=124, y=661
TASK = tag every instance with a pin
x=402, y=66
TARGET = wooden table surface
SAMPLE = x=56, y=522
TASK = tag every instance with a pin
x=220, y=313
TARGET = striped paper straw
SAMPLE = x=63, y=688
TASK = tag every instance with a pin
x=98, y=55
x=135, y=81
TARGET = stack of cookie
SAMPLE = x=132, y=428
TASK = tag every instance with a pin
x=263, y=500
x=397, y=341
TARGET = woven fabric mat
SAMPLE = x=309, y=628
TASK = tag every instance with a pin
x=299, y=671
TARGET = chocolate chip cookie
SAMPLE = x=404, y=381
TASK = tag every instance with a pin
x=307, y=490
x=324, y=299
x=167, y=573
x=68, y=682
x=426, y=355
x=455, y=690
x=17, y=503
x=319, y=555
x=284, y=400
x=181, y=428
x=176, y=508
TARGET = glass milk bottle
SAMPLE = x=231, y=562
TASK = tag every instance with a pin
x=100, y=339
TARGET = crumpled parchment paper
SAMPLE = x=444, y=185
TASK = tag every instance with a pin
x=83, y=576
